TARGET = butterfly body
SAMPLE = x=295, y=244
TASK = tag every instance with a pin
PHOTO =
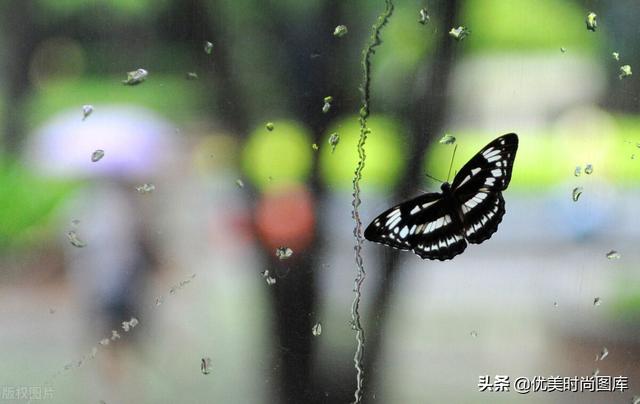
x=438, y=225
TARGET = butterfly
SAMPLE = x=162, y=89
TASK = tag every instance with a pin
x=438, y=225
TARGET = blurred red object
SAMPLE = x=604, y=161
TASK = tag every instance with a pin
x=285, y=217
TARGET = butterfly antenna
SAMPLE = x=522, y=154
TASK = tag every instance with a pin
x=434, y=178
x=452, y=158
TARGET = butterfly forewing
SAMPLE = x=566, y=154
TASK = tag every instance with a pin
x=426, y=225
x=438, y=225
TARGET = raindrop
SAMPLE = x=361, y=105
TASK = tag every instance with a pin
x=75, y=241
x=158, y=301
x=575, y=195
x=86, y=111
x=625, y=71
x=284, y=253
x=75, y=222
x=173, y=290
x=474, y=333
x=94, y=352
x=603, y=354
x=208, y=47
x=205, y=365
x=239, y=183
x=596, y=372
x=115, y=335
x=555, y=304
x=327, y=104
x=316, y=330
x=588, y=169
x=633, y=156
x=315, y=147
x=334, y=139
x=135, y=77
x=269, y=126
x=613, y=255
x=340, y=31
x=270, y=279
x=616, y=55
x=635, y=400
x=192, y=76
x=577, y=171
x=424, y=16
x=52, y=310
x=596, y=301
x=459, y=33
x=591, y=22
x=145, y=188
x=104, y=341
x=447, y=139
x=563, y=50
x=128, y=325
x=97, y=155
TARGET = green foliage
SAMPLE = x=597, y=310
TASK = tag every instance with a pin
x=172, y=96
x=27, y=203
x=386, y=153
x=278, y=157
x=526, y=25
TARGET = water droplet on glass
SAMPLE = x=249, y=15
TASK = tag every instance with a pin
x=94, y=352
x=316, y=330
x=136, y=77
x=192, y=76
x=459, y=33
x=173, y=290
x=327, y=104
x=104, y=341
x=86, y=111
x=205, y=365
x=596, y=372
x=270, y=279
x=603, y=354
x=613, y=255
x=75, y=222
x=115, y=335
x=474, y=333
x=51, y=310
x=563, y=50
x=315, y=147
x=128, y=325
x=577, y=171
x=284, y=252
x=596, y=301
x=145, y=188
x=424, y=16
x=239, y=183
x=208, y=47
x=575, y=195
x=591, y=21
x=158, y=301
x=97, y=155
x=625, y=71
x=633, y=156
x=334, y=139
x=588, y=169
x=340, y=31
x=555, y=304
x=635, y=400
x=269, y=126
x=75, y=241
x=616, y=55
x=447, y=139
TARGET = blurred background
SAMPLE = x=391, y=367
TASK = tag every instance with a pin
x=140, y=214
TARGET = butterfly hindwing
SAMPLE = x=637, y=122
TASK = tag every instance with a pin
x=426, y=225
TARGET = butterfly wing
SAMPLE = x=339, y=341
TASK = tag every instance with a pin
x=479, y=185
x=426, y=224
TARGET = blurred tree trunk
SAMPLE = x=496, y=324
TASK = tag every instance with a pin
x=426, y=115
x=21, y=37
x=194, y=22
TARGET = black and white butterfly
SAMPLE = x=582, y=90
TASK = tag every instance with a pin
x=439, y=225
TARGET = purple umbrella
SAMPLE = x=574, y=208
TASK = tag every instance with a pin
x=136, y=143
